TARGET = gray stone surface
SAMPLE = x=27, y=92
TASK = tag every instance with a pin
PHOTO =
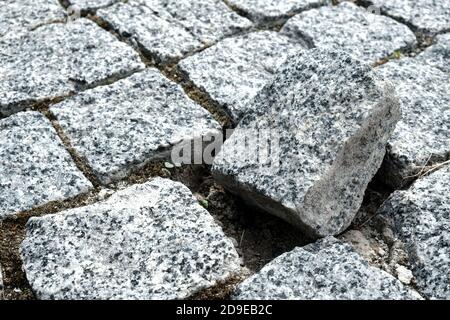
x=367, y=36
x=421, y=219
x=423, y=134
x=327, y=269
x=167, y=30
x=269, y=11
x=164, y=41
x=149, y=241
x=24, y=15
x=58, y=59
x=330, y=117
x=121, y=127
x=438, y=55
x=35, y=167
x=234, y=70
x=208, y=20
x=90, y=4
x=425, y=15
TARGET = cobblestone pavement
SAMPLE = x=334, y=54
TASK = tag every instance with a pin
x=109, y=110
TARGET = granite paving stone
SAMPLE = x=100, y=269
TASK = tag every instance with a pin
x=59, y=59
x=421, y=219
x=123, y=126
x=366, y=35
x=314, y=139
x=234, y=70
x=149, y=241
x=325, y=270
x=35, y=167
x=26, y=15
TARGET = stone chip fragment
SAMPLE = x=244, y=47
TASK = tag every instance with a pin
x=34, y=168
x=58, y=59
x=421, y=219
x=325, y=270
x=149, y=241
x=123, y=126
x=348, y=27
x=314, y=139
x=235, y=69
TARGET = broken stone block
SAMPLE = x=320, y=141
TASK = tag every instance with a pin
x=325, y=270
x=26, y=15
x=426, y=16
x=422, y=136
x=273, y=11
x=35, y=167
x=123, y=126
x=367, y=36
x=59, y=59
x=168, y=30
x=149, y=241
x=421, y=219
x=438, y=55
x=314, y=139
x=235, y=69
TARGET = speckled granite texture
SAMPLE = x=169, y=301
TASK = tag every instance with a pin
x=58, y=59
x=121, y=127
x=90, y=4
x=25, y=15
x=425, y=15
x=423, y=134
x=367, y=36
x=234, y=70
x=167, y=29
x=438, y=55
x=331, y=116
x=35, y=166
x=325, y=270
x=149, y=241
x=421, y=218
x=273, y=11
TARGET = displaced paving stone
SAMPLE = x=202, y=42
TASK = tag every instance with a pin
x=35, y=167
x=429, y=16
x=421, y=219
x=149, y=241
x=348, y=27
x=234, y=70
x=327, y=269
x=26, y=15
x=59, y=59
x=422, y=136
x=314, y=139
x=167, y=30
x=438, y=55
x=273, y=11
x=121, y=127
